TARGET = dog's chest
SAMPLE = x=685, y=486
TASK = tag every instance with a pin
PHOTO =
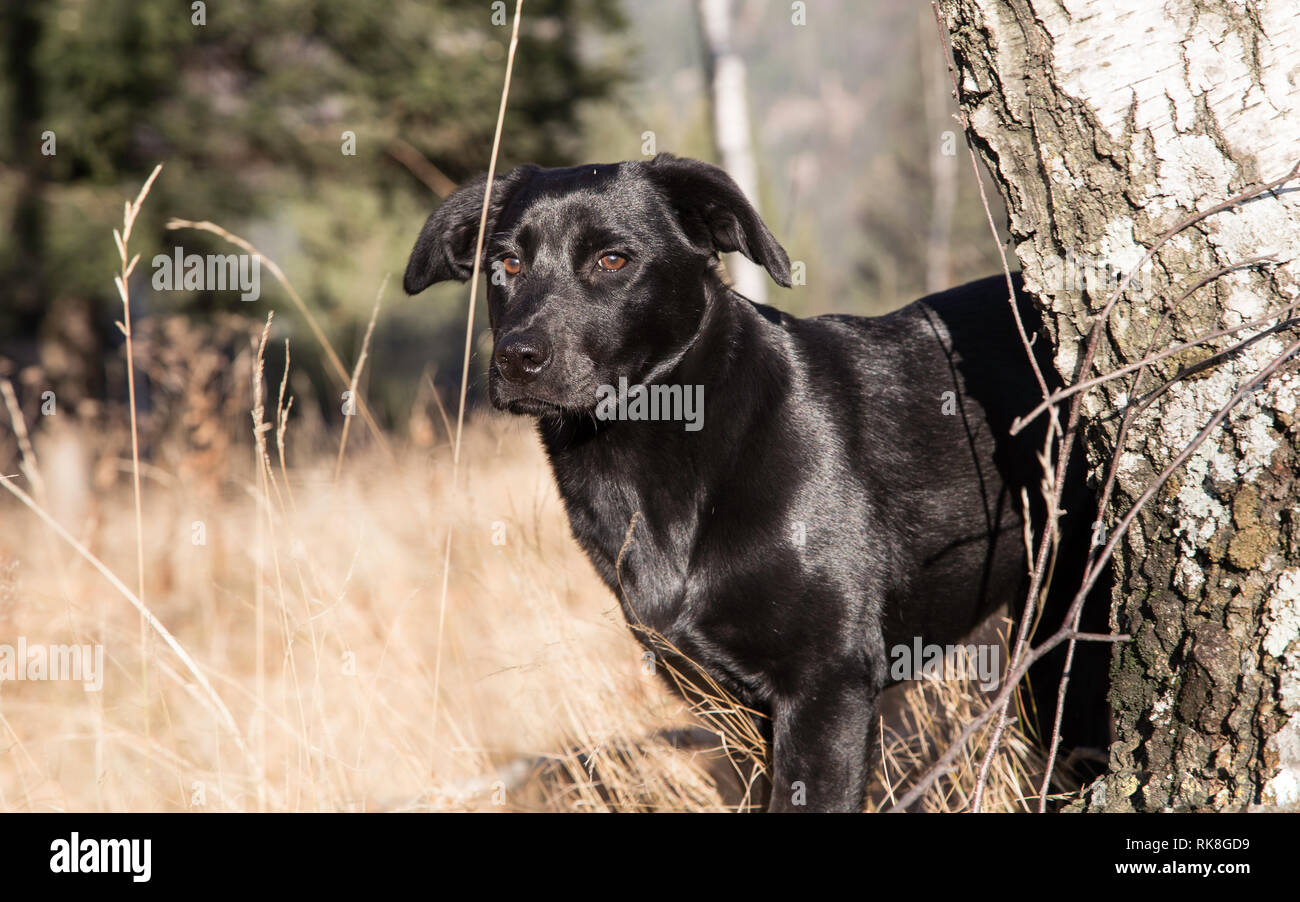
x=642, y=553
x=638, y=527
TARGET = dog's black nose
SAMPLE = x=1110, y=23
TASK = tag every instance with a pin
x=521, y=357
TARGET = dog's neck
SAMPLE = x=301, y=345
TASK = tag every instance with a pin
x=650, y=472
x=708, y=356
x=712, y=357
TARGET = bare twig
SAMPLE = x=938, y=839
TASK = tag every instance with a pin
x=356, y=375
x=336, y=363
x=26, y=452
x=1094, y=336
x=421, y=167
x=1094, y=571
x=469, y=340
x=129, y=213
x=1090, y=579
x=1060, y=395
x=942, y=763
x=1037, y=581
x=946, y=40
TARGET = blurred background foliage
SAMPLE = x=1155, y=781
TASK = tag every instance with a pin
x=248, y=113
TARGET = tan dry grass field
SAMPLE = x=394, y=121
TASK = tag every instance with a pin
x=313, y=608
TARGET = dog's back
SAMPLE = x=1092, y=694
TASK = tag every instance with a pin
x=919, y=404
x=946, y=376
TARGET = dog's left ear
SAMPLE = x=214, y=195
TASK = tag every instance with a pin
x=445, y=248
x=713, y=211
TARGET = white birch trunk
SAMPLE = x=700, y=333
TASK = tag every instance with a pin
x=1106, y=123
x=729, y=100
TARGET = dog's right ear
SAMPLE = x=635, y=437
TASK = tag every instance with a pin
x=445, y=248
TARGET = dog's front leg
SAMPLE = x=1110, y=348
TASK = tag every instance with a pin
x=821, y=745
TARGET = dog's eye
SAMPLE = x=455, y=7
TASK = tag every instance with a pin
x=511, y=265
x=611, y=262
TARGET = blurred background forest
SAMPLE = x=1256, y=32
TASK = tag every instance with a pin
x=318, y=596
x=248, y=110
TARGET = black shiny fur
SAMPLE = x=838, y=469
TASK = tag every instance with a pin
x=828, y=509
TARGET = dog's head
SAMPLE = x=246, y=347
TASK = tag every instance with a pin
x=594, y=272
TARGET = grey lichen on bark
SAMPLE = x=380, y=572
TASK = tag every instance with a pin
x=1105, y=124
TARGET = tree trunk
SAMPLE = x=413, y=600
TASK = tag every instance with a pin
x=729, y=101
x=1106, y=124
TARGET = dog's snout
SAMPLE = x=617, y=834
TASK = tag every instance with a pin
x=520, y=358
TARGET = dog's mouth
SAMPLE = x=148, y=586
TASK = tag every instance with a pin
x=534, y=407
x=531, y=401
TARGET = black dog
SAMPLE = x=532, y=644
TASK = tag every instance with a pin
x=850, y=487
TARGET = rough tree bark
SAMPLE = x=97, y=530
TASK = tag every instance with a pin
x=1106, y=123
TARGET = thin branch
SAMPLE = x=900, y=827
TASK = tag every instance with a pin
x=1021, y=422
x=1073, y=419
x=356, y=375
x=1038, y=579
x=469, y=340
x=1090, y=579
x=336, y=363
x=1012, y=678
x=946, y=40
x=421, y=167
x=123, y=240
x=1251, y=193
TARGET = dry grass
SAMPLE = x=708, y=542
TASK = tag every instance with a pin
x=349, y=575
x=538, y=664
x=922, y=719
